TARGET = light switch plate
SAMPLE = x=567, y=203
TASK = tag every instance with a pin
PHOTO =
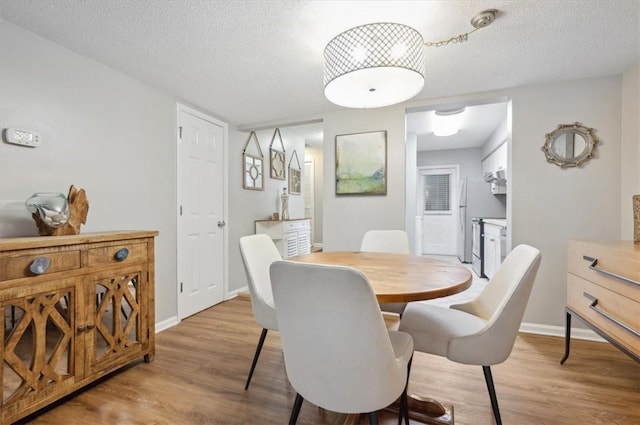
x=16, y=136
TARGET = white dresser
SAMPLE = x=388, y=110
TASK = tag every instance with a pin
x=292, y=237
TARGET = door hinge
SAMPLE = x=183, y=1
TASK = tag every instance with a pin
x=180, y=132
x=180, y=210
x=181, y=287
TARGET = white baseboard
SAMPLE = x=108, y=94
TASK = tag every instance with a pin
x=317, y=244
x=237, y=292
x=166, y=324
x=559, y=331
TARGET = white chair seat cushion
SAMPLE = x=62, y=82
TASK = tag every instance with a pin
x=402, y=344
x=432, y=327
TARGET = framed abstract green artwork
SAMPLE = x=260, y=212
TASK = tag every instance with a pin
x=361, y=163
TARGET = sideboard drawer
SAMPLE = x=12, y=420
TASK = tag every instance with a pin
x=620, y=308
x=20, y=266
x=117, y=254
x=610, y=259
x=292, y=226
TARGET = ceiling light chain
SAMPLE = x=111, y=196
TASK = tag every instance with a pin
x=481, y=20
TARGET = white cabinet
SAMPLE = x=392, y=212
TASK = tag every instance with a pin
x=291, y=237
x=500, y=158
x=494, y=167
x=494, y=246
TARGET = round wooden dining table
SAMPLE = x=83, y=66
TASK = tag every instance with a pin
x=399, y=278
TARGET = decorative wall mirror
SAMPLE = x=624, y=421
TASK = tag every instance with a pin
x=277, y=158
x=252, y=169
x=570, y=145
x=295, y=179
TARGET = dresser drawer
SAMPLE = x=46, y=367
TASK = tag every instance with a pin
x=292, y=226
x=618, y=258
x=129, y=253
x=19, y=266
x=618, y=307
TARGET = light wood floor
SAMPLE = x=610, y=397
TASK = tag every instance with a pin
x=201, y=366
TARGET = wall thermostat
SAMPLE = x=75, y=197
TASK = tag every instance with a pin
x=22, y=137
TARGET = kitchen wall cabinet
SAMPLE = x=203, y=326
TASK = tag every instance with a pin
x=291, y=237
x=75, y=308
x=496, y=163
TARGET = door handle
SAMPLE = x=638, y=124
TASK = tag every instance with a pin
x=221, y=224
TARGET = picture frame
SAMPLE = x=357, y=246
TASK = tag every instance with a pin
x=295, y=176
x=361, y=163
x=252, y=166
x=277, y=159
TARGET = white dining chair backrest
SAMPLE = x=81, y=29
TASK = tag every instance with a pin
x=391, y=241
x=258, y=252
x=501, y=304
x=337, y=350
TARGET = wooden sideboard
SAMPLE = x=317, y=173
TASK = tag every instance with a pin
x=75, y=309
x=603, y=290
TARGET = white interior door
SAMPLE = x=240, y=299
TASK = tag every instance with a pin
x=437, y=196
x=308, y=181
x=201, y=213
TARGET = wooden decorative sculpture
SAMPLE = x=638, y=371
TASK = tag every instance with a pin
x=78, y=210
x=636, y=218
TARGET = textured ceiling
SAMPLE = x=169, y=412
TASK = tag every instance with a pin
x=259, y=62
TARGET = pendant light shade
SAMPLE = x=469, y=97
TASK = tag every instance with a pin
x=374, y=65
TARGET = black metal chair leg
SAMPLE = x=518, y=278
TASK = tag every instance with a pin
x=263, y=335
x=404, y=400
x=492, y=393
x=567, y=338
x=296, y=409
x=373, y=418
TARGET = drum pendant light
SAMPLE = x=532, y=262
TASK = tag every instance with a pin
x=381, y=64
x=374, y=65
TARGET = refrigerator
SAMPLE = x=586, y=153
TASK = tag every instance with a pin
x=475, y=201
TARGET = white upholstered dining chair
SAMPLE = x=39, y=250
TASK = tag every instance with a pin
x=390, y=241
x=338, y=353
x=258, y=252
x=483, y=331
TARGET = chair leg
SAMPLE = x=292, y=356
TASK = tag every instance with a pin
x=263, y=335
x=373, y=418
x=296, y=409
x=492, y=393
x=404, y=400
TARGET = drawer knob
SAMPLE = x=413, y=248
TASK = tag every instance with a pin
x=122, y=254
x=39, y=265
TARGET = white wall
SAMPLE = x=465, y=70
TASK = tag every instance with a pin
x=552, y=205
x=630, y=152
x=548, y=205
x=101, y=131
x=246, y=206
x=347, y=218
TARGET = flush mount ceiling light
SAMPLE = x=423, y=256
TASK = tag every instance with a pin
x=447, y=123
x=381, y=64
